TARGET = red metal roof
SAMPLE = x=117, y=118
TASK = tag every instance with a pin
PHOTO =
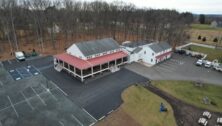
x=84, y=64
x=164, y=54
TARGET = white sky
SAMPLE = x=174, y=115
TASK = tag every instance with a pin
x=194, y=6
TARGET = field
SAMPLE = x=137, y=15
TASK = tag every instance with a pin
x=203, y=27
x=186, y=91
x=140, y=105
x=212, y=54
x=204, y=30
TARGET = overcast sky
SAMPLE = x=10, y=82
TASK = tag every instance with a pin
x=194, y=6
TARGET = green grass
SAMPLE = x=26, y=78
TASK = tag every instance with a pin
x=212, y=54
x=143, y=106
x=204, y=27
x=186, y=91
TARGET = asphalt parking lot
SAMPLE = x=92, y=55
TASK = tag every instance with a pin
x=35, y=101
x=97, y=97
x=179, y=67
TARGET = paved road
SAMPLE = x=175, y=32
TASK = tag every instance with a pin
x=99, y=96
x=39, y=62
x=178, y=68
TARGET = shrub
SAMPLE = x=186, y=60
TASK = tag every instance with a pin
x=199, y=37
x=215, y=40
x=204, y=39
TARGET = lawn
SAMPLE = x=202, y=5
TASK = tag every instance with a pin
x=186, y=91
x=212, y=54
x=203, y=27
x=140, y=108
x=143, y=106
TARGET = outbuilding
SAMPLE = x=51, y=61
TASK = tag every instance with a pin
x=149, y=52
x=88, y=59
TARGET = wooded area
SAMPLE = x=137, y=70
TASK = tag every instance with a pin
x=45, y=22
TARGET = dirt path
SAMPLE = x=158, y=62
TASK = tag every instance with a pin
x=185, y=114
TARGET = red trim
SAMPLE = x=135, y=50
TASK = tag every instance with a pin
x=84, y=64
x=163, y=55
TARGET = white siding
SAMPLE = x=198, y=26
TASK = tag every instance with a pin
x=74, y=50
x=146, y=55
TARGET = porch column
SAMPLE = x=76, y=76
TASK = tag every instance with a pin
x=74, y=71
x=100, y=68
x=69, y=67
x=81, y=76
x=92, y=71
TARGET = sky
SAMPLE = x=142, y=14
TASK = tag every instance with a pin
x=194, y=6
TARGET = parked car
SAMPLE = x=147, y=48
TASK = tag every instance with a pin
x=218, y=67
x=208, y=64
x=199, y=56
x=181, y=52
x=199, y=62
x=20, y=56
x=219, y=121
x=202, y=121
x=207, y=115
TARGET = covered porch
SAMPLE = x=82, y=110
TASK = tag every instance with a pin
x=83, y=69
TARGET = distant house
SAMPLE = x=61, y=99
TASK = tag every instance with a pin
x=88, y=59
x=149, y=52
x=216, y=24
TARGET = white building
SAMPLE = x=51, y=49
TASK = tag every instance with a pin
x=91, y=58
x=148, y=52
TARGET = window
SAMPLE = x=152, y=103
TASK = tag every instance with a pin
x=144, y=52
x=151, y=60
x=152, y=54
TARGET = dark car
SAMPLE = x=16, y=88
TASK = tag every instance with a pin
x=181, y=52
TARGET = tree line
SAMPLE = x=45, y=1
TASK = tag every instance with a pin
x=41, y=19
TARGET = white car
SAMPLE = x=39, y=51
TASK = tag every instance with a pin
x=219, y=121
x=202, y=121
x=218, y=68
x=208, y=64
x=199, y=62
x=207, y=114
x=20, y=56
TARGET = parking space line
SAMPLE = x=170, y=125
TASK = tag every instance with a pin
x=35, y=68
x=61, y=123
x=1, y=123
x=48, y=90
x=77, y=120
x=89, y=114
x=12, y=106
x=9, y=62
x=27, y=101
x=22, y=101
x=59, y=88
x=43, y=102
x=19, y=73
